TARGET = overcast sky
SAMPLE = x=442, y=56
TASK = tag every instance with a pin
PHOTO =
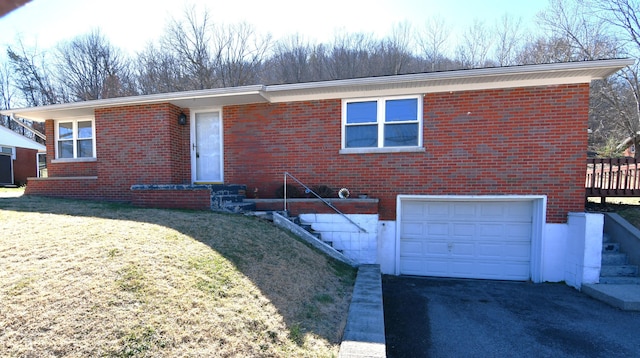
x=130, y=24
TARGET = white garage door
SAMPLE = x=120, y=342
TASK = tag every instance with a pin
x=470, y=239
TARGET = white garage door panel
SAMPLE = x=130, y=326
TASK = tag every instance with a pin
x=472, y=239
x=412, y=248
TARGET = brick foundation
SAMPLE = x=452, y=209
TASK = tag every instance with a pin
x=316, y=206
x=171, y=197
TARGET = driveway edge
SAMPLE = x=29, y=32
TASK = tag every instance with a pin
x=364, y=332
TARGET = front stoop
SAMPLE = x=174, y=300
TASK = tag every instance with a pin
x=229, y=198
x=619, y=282
x=364, y=332
x=624, y=297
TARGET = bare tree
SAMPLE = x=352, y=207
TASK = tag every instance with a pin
x=160, y=71
x=475, y=44
x=91, y=68
x=545, y=50
x=623, y=93
x=290, y=61
x=394, y=54
x=190, y=39
x=238, y=54
x=6, y=88
x=573, y=22
x=349, y=56
x=32, y=77
x=509, y=38
x=433, y=40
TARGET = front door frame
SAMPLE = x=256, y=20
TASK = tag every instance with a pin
x=193, y=146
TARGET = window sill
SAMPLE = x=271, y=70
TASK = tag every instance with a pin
x=382, y=150
x=73, y=160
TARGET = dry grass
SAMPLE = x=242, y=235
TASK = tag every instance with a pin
x=94, y=279
x=628, y=208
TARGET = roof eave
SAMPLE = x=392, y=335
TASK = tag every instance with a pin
x=459, y=80
x=79, y=109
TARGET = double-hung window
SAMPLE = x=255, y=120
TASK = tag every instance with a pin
x=75, y=139
x=382, y=123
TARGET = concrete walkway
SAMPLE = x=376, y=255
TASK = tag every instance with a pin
x=364, y=332
x=623, y=296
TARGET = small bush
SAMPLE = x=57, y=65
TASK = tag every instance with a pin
x=292, y=192
x=323, y=190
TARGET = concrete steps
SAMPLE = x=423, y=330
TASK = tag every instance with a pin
x=230, y=198
x=619, y=284
x=619, y=270
x=624, y=297
x=317, y=235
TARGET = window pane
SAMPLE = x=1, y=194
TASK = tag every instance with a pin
x=65, y=130
x=361, y=136
x=362, y=112
x=401, y=135
x=84, y=129
x=401, y=110
x=65, y=149
x=85, y=148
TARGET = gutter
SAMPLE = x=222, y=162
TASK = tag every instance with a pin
x=35, y=132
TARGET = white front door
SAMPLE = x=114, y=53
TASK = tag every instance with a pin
x=206, y=147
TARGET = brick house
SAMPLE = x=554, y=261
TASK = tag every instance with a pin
x=18, y=157
x=466, y=172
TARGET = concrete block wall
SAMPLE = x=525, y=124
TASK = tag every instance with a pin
x=359, y=246
x=583, y=249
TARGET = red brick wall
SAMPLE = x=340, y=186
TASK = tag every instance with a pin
x=79, y=188
x=524, y=141
x=134, y=145
x=180, y=199
x=140, y=145
x=25, y=165
x=316, y=206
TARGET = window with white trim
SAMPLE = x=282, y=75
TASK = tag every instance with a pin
x=75, y=139
x=393, y=122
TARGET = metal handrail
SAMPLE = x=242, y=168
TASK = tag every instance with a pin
x=308, y=190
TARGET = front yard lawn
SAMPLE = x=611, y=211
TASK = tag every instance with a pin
x=96, y=279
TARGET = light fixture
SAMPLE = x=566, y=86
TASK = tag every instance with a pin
x=182, y=119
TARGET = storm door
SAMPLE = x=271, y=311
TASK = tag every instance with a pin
x=206, y=147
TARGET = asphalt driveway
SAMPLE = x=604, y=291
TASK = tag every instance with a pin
x=431, y=317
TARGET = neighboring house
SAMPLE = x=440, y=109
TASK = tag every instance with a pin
x=18, y=157
x=629, y=146
x=467, y=172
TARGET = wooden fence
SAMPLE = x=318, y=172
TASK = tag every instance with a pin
x=614, y=177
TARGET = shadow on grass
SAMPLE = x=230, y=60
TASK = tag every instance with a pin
x=298, y=280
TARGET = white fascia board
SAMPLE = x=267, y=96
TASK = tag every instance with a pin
x=78, y=109
x=450, y=81
x=592, y=66
x=381, y=90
